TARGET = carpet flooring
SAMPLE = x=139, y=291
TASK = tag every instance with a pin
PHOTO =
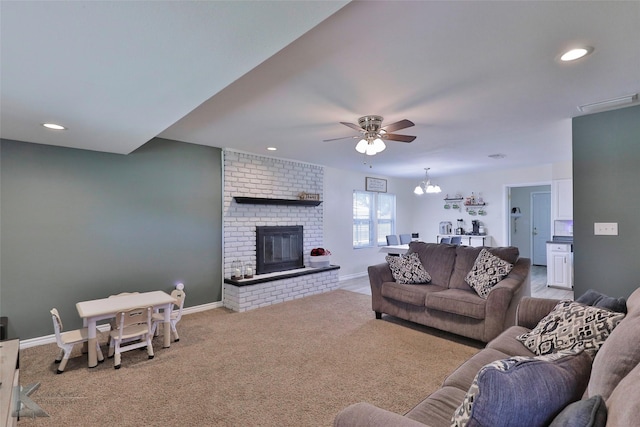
x=296, y=363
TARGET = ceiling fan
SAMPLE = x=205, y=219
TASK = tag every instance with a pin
x=373, y=133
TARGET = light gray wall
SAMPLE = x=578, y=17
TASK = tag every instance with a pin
x=606, y=177
x=79, y=225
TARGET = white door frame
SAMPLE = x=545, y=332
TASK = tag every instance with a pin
x=506, y=205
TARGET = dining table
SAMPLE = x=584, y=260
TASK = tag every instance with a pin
x=394, y=249
x=106, y=308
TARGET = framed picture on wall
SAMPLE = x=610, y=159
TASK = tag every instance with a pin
x=375, y=184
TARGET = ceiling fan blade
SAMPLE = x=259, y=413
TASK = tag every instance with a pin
x=398, y=125
x=396, y=137
x=344, y=137
x=353, y=126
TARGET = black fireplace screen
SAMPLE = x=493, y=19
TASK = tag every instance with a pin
x=278, y=248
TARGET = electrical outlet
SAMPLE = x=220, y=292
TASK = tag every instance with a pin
x=605, y=228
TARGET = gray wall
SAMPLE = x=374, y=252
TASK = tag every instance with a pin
x=79, y=225
x=521, y=235
x=606, y=188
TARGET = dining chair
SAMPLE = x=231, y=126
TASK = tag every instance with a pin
x=456, y=240
x=405, y=239
x=131, y=324
x=176, y=314
x=66, y=341
x=392, y=239
x=445, y=240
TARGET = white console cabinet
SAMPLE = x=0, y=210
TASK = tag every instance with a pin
x=559, y=265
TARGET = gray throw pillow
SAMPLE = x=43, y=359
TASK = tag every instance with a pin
x=507, y=392
x=487, y=270
x=571, y=325
x=597, y=299
x=591, y=412
x=408, y=269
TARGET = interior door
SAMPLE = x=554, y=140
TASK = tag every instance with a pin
x=540, y=226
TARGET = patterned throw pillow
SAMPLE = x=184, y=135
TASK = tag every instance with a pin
x=507, y=392
x=571, y=325
x=408, y=269
x=486, y=272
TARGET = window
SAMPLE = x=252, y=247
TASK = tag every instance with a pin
x=374, y=217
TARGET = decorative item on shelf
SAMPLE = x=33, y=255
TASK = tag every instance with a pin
x=248, y=273
x=237, y=270
x=308, y=196
x=320, y=257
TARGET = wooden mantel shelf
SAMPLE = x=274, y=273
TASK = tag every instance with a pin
x=266, y=201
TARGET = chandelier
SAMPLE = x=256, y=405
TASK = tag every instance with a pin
x=426, y=186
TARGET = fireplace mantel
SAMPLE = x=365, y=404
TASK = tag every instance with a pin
x=267, y=201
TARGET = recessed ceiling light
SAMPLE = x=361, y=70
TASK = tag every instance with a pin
x=271, y=148
x=53, y=126
x=577, y=53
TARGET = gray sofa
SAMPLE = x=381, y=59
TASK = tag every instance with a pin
x=614, y=375
x=448, y=302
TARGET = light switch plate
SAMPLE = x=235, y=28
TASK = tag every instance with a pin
x=605, y=228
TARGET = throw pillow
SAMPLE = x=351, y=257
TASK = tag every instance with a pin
x=535, y=389
x=571, y=325
x=597, y=299
x=487, y=270
x=591, y=412
x=408, y=269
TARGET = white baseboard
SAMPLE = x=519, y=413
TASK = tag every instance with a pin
x=352, y=276
x=48, y=339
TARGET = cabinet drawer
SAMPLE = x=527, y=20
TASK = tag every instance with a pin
x=559, y=247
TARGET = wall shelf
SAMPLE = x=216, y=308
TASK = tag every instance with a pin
x=267, y=201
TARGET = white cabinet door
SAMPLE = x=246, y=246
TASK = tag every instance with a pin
x=559, y=266
x=563, y=199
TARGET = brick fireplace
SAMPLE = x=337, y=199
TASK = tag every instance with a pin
x=251, y=176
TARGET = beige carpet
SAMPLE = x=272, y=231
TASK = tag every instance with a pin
x=293, y=364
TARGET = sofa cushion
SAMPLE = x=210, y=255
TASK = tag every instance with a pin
x=437, y=409
x=457, y=301
x=411, y=294
x=408, y=269
x=437, y=259
x=487, y=270
x=507, y=343
x=571, y=325
x=498, y=396
x=466, y=256
x=590, y=412
x=463, y=376
x=617, y=357
x=597, y=299
x=624, y=402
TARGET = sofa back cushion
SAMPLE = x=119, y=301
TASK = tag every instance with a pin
x=619, y=354
x=437, y=259
x=466, y=256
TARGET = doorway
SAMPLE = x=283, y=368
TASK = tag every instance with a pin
x=521, y=220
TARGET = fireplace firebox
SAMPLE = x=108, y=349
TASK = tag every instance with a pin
x=279, y=248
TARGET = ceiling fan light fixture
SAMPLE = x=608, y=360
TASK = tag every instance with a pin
x=361, y=147
x=378, y=145
x=371, y=150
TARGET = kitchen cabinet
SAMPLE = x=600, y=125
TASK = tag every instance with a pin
x=560, y=265
x=562, y=191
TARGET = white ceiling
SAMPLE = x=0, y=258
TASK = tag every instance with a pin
x=477, y=78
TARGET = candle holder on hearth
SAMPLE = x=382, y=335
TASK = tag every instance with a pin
x=248, y=272
x=237, y=270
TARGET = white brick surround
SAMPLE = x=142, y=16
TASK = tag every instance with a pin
x=249, y=175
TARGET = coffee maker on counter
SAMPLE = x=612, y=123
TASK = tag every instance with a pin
x=478, y=230
x=476, y=227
